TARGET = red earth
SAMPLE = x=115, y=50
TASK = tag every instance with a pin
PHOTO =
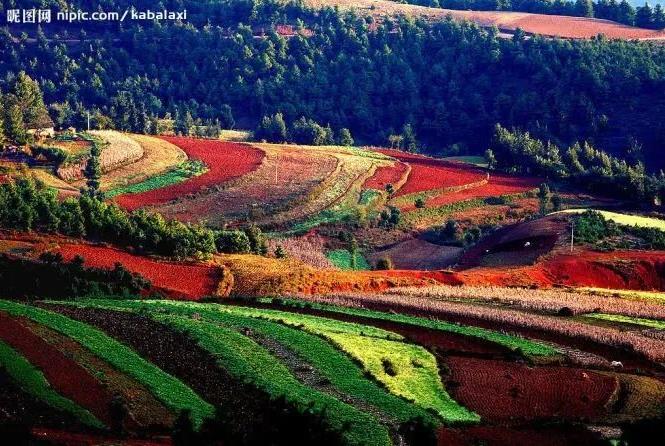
x=66, y=377
x=503, y=391
x=225, y=161
x=385, y=175
x=177, y=280
x=497, y=185
x=428, y=173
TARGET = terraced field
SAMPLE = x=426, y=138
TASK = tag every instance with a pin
x=547, y=25
x=284, y=178
x=374, y=371
x=225, y=160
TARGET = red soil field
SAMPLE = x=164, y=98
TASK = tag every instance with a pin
x=549, y=25
x=638, y=270
x=177, y=280
x=52, y=436
x=65, y=376
x=515, y=436
x=509, y=392
x=427, y=173
x=497, y=185
x=386, y=175
x=225, y=161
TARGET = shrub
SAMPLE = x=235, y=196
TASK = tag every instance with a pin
x=232, y=242
x=385, y=263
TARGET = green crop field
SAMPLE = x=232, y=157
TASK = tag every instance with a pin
x=168, y=389
x=525, y=346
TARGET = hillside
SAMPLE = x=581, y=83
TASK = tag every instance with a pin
x=506, y=21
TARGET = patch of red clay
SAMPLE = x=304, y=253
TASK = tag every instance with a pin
x=67, y=377
x=506, y=436
x=502, y=391
x=385, y=175
x=225, y=161
x=177, y=280
x=52, y=436
x=429, y=173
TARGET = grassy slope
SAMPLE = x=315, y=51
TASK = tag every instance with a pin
x=649, y=323
x=525, y=346
x=341, y=258
x=32, y=381
x=168, y=389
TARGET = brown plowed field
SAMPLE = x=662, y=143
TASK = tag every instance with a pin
x=548, y=25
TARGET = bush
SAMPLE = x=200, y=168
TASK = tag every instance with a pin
x=592, y=227
x=385, y=263
x=232, y=242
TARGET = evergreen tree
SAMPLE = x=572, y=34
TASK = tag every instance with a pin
x=345, y=138
x=93, y=172
x=226, y=120
x=658, y=17
x=14, y=125
x=584, y=8
x=409, y=138
x=543, y=197
x=626, y=13
x=644, y=16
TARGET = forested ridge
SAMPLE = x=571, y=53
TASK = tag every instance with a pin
x=452, y=82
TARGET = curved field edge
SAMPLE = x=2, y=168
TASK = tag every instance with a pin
x=406, y=370
x=245, y=359
x=177, y=174
x=168, y=389
x=523, y=346
x=33, y=382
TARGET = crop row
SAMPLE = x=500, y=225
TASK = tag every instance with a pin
x=525, y=346
x=32, y=381
x=649, y=348
x=554, y=300
x=175, y=175
x=225, y=161
x=168, y=389
x=406, y=370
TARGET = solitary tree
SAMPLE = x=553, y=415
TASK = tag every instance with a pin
x=409, y=138
x=543, y=197
x=345, y=138
x=93, y=172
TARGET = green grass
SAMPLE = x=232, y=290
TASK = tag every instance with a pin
x=249, y=361
x=168, y=389
x=627, y=294
x=33, y=382
x=515, y=343
x=341, y=258
x=625, y=219
x=178, y=174
x=649, y=323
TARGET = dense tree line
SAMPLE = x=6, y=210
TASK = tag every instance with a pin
x=580, y=164
x=50, y=277
x=593, y=228
x=27, y=206
x=450, y=82
x=22, y=108
x=619, y=11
